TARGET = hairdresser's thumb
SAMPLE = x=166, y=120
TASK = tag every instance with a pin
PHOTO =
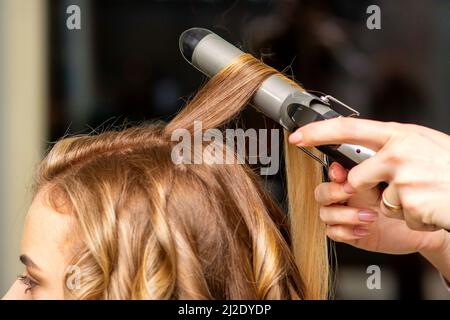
x=337, y=173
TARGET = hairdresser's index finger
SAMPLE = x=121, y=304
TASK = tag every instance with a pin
x=367, y=133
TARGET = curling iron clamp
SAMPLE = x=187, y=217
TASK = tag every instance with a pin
x=276, y=98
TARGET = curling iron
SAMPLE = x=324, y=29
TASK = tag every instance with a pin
x=276, y=98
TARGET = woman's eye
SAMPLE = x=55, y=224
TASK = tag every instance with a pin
x=28, y=282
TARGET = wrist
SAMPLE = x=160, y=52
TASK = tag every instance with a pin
x=439, y=246
x=439, y=257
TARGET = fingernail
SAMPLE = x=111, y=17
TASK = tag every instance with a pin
x=348, y=188
x=360, y=231
x=367, y=216
x=296, y=137
x=332, y=174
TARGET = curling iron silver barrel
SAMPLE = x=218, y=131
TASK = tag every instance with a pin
x=276, y=98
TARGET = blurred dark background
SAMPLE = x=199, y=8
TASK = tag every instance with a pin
x=124, y=65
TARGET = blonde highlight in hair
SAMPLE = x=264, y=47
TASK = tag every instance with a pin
x=147, y=228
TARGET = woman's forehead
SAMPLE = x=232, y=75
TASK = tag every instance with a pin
x=44, y=233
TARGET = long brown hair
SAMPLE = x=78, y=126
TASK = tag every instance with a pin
x=147, y=228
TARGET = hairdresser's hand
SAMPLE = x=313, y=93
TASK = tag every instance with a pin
x=356, y=219
x=414, y=160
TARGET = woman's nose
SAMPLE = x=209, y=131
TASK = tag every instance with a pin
x=16, y=292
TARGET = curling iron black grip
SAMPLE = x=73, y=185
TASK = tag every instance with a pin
x=337, y=156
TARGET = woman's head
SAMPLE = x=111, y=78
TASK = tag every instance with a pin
x=115, y=218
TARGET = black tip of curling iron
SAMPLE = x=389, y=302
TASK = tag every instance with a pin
x=189, y=40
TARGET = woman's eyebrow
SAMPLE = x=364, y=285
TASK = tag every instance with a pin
x=28, y=262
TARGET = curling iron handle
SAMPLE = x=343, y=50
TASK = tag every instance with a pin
x=348, y=155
